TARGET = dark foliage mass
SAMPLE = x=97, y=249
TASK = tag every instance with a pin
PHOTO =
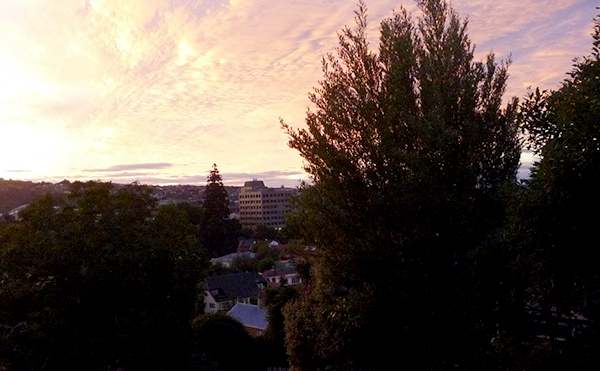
x=103, y=279
x=274, y=338
x=552, y=235
x=427, y=252
x=96, y=283
x=222, y=344
x=420, y=249
x=409, y=149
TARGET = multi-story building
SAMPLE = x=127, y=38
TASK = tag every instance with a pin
x=261, y=205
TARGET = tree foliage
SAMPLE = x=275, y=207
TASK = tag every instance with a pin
x=561, y=208
x=408, y=149
x=554, y=243
x=96, y=283
x=215, y=200
x=218, y=233
x=274, y=337
x=222, y=343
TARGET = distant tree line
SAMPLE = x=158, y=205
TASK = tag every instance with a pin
x=15, y=193
x=103, y=279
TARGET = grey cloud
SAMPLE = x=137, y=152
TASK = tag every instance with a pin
x=127, y=174
x=270, y=178
x=154, y=166
x=274, y=173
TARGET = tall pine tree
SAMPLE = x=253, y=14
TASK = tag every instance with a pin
x=215, y=200
x=218, y=233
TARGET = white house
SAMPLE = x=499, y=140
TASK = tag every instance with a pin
x=223, y=292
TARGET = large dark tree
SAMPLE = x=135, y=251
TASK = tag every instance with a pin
x=97, y=283
x=222, y=343
x=555, y=245
x=274, y=338
x=408, y=149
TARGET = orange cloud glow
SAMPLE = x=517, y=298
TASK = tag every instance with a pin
x=98, y=84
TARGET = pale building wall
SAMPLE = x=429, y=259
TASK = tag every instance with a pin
x=262, y=205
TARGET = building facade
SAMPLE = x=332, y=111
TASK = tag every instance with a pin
x=221, y=293
x=262, y=205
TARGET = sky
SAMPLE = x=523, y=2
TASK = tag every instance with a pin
x=156, y=91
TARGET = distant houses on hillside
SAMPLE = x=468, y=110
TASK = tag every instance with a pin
x=241, y=295
x=253, y=204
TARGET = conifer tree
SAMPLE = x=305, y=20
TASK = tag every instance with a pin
x=216, y=201
x=218, y=233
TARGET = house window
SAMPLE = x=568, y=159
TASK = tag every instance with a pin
x=225, y=305
x=211, y=305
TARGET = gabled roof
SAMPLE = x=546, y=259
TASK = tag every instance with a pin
x=235, y=285
x=250, y=315
x=231, y=257
x=278, y=272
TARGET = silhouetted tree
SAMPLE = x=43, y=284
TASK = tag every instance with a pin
x=216, y=201
x=274, y=337
x=408, y=149
x=218, y=233
x=222, y=343
x=554, y=245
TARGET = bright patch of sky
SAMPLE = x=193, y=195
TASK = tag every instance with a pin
x=159, y=90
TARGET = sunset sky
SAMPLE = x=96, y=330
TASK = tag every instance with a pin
x=159, y=90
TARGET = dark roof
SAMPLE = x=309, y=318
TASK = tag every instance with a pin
x=250, y=315
x=231, y=257
x=235, y=285
x=245, y=244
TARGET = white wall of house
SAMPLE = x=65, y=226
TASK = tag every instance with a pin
x=210, y=304
x=288, y=279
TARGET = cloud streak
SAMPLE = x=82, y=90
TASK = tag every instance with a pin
x=190, y=83
x=154, y=166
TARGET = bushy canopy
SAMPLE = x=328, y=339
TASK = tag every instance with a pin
x=408, y=149
x=97, y=283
